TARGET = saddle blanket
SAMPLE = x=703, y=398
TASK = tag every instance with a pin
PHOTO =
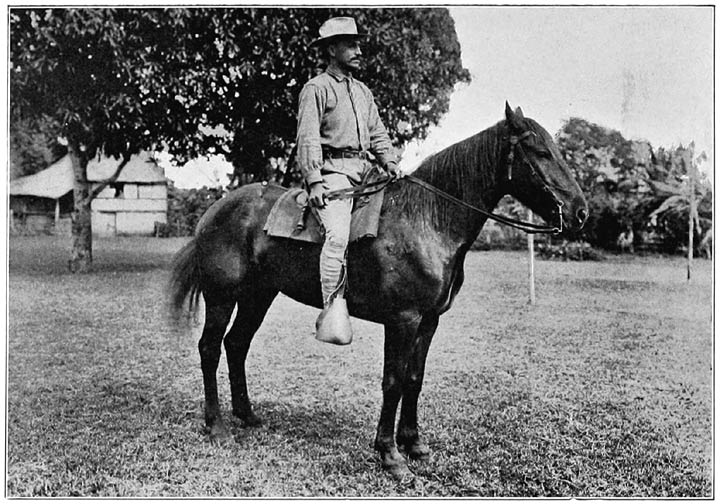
x=292, y=217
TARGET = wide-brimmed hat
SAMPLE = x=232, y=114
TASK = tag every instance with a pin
x=337, y=27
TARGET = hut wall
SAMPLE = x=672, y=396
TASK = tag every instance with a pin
x=31, y=215
x=129, y=209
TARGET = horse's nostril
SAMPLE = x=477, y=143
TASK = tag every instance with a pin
x=582, y=215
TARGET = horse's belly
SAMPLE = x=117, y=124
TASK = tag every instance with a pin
x=383, y=286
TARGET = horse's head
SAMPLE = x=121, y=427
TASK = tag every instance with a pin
x=537, y=176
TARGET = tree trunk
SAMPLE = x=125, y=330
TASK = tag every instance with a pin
x=81, y=258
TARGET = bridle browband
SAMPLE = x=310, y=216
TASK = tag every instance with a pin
x=515, y=144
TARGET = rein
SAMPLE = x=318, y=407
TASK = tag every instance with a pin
x=528, y=227
x=360, y=190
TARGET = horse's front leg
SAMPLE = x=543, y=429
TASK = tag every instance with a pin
x=408, y=436
x=397, y=338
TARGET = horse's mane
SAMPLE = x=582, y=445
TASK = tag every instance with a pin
x=465, y=169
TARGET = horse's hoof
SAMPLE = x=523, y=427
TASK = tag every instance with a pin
x=248, y=419
x=252, y=420
x=419, y=451
x=415, y=448
x=396, y=465
x=400, y=472
x=219, y=433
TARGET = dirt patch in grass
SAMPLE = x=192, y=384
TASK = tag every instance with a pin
x=603, y=388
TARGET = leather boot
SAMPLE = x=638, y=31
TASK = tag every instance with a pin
x=333, y=324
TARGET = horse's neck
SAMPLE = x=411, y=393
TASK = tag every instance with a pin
x=469, y=171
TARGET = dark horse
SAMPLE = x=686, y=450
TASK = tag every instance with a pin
x=404, y=279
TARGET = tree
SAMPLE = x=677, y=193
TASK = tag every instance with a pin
x=187, y=206
x=85, y=71
x=120, y=81
x=412, y=63
x=611, y=171
x=669, y=203
x=630, y=185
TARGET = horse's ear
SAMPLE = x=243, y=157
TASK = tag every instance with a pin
x=513, y=118
x=508, y=112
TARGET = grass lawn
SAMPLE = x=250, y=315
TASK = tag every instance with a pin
x=603, y=388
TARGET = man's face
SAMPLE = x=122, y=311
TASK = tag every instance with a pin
x=346, y=53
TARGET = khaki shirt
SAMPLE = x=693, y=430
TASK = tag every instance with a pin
x=340, y=112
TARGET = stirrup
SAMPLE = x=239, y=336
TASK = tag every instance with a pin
x=333, y=324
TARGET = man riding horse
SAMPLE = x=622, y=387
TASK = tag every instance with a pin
x=338, y=123
x=405, y=278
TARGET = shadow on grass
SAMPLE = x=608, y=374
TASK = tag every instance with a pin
x=319, y=424
x=49, y=255
x=39, y=266
x=503, y=442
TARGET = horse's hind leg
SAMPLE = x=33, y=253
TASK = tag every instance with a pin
x=217, y=316
x=251, y=309
x=407, y=436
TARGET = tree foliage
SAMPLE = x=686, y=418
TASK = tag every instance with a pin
x=628, y=185
x=185, y=207
x=94, y=73
x=262, y=58
x=209, y=80
x=33, y=147
x=122, y=80
x=114, y=80
x=670, y=206
x=609, y=169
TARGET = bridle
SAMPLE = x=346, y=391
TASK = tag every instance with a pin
x=515, y=145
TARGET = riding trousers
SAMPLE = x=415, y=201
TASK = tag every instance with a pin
x=335, y=218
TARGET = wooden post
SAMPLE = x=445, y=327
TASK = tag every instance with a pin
x=691, y=216
x=531, y=262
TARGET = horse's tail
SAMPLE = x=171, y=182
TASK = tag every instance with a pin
x=184, y=280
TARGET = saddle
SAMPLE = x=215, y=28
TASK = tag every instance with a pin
x=292, y=217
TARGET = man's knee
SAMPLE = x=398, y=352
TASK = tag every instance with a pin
x=336, y=242
x=337, y=236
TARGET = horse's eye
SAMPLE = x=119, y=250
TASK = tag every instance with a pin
x=544, y=154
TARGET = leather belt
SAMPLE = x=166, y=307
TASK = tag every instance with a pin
x=344, y=153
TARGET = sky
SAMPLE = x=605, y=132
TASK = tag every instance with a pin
x=644, y=71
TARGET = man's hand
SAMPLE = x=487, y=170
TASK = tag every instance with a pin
x=393, y=170
x=317, y=194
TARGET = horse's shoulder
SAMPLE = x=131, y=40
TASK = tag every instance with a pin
x=429, y=251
